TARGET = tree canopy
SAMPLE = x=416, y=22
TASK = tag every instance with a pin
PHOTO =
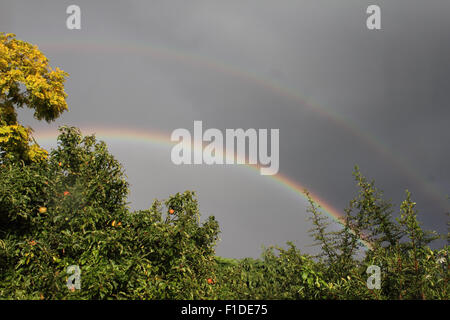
x=26, y=80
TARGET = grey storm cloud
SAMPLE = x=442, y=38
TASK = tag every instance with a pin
x=340, y=94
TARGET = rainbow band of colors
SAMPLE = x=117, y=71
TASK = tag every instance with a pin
x=400, y=163
x=153, y=137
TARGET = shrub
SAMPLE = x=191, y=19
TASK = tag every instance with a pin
x=70, y=209
x=145, y=254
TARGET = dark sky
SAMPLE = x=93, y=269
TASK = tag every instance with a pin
x=340, y=94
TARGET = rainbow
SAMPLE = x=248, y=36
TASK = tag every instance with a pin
x=159, y=138
x=160, y=52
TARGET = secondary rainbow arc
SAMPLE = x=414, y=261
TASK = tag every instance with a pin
x=163, y=52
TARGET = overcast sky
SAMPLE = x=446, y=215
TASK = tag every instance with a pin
x=341, y=95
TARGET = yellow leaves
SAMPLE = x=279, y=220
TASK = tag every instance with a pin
x=36, y=153
x=13, y=132
x=116, y=224
x=27, y=79
x=15, y=139
x=9, y=35
x=3, y=62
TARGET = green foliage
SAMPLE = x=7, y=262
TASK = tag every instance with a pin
x=70, y=209
x=410, y=269
x=147, y=254
x=286, y=274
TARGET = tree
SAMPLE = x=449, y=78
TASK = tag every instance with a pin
x=26, y=79
x=410, y=269
x=160, y=253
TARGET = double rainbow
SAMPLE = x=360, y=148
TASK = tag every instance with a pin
x=401, y=164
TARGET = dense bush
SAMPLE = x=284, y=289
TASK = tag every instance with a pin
x=285, y=274
x=70, y=209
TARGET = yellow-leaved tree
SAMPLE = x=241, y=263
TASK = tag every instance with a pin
x=26, y=79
